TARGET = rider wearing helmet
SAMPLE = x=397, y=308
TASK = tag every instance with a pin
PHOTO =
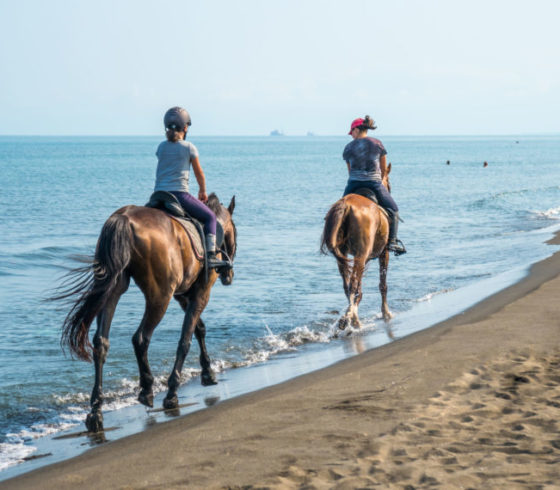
x=175, y=157
x=367, y=164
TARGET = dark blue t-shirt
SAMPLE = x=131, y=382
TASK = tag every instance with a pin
x=363, y=155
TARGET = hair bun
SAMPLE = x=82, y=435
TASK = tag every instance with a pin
x=369, y=123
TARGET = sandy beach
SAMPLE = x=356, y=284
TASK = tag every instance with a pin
x=472, y=402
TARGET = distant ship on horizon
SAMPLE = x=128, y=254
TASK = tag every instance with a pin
x=276, y=132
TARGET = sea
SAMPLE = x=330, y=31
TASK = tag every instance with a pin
x=470, y=230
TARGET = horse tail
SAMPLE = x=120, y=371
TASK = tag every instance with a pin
x=95, y=284
x=332, y=240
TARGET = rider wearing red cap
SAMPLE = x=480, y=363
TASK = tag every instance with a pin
x=367, y=163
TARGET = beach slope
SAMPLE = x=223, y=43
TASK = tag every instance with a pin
x=471, y=402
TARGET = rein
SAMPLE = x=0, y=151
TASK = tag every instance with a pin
x=225, y=254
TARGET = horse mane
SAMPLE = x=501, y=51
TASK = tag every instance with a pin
x=220, y=211
x=214, y=204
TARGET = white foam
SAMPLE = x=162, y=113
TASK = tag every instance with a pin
x=14, y=453
x=276, y=342
x=302, y=335
x=552, y=213
x=17, y=447
x=76, y=405
x=429, y=296
x=71, y=398
x=220, y=365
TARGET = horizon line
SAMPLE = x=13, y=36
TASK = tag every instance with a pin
x=275, y=136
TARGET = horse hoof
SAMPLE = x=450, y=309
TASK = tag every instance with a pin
x=387, y=316
x=170, y=403
x=342, y=323
x=94, y=422
x=208, y=378
x=146, y=398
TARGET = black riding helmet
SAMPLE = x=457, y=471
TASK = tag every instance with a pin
x=176, y=118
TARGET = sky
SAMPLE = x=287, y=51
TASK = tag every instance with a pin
x=247, y=67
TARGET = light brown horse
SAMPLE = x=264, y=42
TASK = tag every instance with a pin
x=355, y=225
x=144, y=244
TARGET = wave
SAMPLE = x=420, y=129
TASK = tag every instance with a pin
x=14, y=453
x=61, y=259
x=552, y=213
x=16, y=448
x=429, y=296
x=47, y=253
x=500, y=198
x=72, y=408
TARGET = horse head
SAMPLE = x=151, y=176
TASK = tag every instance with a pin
x=229, y=245
x=385, y=181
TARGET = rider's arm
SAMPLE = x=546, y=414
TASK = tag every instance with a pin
x=383, y=165
x=199, y=174
x=348, y=165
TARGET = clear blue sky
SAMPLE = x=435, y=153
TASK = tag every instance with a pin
x=250, y=66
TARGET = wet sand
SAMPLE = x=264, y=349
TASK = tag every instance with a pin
x=473, y=402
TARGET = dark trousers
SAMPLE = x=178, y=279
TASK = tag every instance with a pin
x=381, y=193
x=198, y=210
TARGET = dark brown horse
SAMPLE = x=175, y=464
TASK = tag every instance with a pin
x=355, y=225
x=144, y=244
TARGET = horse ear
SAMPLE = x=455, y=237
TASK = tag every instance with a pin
x=389, y=168
x=231, y=206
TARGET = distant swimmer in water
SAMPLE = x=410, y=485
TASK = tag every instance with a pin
x=366, y=159
x=448, y=162
x=485, y=164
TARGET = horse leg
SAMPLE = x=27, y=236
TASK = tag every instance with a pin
x=383, y=267
x=343, y=269
x=356, y=289
x=155, y=309
x=344, y=273
x=354, y=295
x=193, y=311
x=94, y=420
x=207, y=377
x=357, y=299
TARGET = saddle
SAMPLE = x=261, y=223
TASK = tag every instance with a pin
x=167, y=202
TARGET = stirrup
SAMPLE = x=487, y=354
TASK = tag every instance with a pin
x=214, y=263
x=397, y=247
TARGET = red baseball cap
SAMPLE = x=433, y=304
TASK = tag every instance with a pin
x=355, y=124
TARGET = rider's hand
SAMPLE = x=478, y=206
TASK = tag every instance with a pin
x=202, y=196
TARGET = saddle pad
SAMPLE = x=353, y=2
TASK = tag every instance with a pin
x=384, y=211
x=194, y=236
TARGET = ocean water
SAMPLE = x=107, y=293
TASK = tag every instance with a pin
x=463, y=225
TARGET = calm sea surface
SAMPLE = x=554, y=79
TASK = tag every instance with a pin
x=463, y=224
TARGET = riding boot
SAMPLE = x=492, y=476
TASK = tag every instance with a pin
x=394, y=245
x=211, y=260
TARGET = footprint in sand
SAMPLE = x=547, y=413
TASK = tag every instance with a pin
x=495, y=427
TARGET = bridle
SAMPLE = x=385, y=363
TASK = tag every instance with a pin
x=223, y=249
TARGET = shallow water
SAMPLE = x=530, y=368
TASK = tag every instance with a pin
x=464, y=225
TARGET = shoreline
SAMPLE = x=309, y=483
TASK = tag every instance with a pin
x=303, y=428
